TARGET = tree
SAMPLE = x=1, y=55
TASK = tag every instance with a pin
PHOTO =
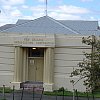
x=89, y=68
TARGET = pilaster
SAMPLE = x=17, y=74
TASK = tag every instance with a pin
x=48, y=69
x=18, y=64
x=25, y=65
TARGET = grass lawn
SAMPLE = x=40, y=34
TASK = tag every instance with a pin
x=7, y=90
x=69, y=93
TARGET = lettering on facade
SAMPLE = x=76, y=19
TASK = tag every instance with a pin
x=30, y=40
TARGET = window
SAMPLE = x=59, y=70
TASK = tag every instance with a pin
x=35, y=52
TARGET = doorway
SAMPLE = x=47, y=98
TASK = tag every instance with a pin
x=36, y=64
x=36, y=69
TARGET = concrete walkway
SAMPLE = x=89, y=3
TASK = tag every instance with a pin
x=29, y=96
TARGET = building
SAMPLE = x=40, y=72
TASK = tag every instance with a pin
x=45, y=50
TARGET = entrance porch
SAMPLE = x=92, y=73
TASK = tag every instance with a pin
x=34, y=64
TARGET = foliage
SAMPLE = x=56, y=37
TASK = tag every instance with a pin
x=89, y=68
x=7, y=90
x=61, y=89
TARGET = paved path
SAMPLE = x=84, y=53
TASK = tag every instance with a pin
x=28, y=96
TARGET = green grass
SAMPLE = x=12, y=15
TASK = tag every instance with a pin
x=7, y=90
x=69, y=93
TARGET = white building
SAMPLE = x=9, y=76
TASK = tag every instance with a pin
x=45, y=50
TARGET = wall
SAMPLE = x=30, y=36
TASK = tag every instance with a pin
x=6, y=64
x=68, y=53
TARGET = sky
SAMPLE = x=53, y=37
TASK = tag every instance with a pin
x=12, y=10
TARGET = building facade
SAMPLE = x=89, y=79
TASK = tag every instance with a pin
x=43, y=50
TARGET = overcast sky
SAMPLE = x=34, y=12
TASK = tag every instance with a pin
x=12, y=10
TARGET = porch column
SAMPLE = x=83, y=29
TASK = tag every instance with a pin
x=25, y=64
x=18, y=67
x=48, y=69
x=18, y=64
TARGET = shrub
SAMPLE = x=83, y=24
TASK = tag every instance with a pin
x=7, y=90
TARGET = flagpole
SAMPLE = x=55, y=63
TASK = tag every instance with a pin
x=46, y=8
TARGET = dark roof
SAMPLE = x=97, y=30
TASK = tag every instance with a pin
x=83, y=27
x=48, y=25
x=6, y=26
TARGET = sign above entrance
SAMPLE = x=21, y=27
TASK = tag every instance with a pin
x=34, y=40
